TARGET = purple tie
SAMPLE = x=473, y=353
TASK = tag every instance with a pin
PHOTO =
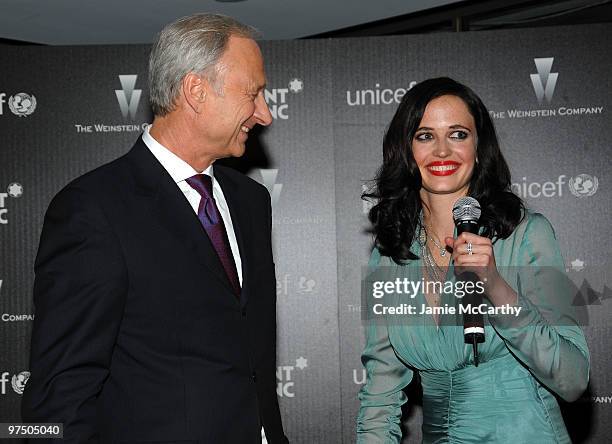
x=211, y=220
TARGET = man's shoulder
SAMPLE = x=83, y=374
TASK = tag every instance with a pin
x=101, y=185
x=101, y=179
x=243, y=182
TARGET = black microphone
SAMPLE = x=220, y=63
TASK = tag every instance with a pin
x=466, y=213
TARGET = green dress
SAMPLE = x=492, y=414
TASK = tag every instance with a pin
x=525, y=361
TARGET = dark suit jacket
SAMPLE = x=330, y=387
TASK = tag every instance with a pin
x=138, y=336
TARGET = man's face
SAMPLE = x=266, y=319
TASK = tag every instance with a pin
x=238, y=103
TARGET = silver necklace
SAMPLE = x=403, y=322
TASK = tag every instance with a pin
x=433, y=270
x=441, y=249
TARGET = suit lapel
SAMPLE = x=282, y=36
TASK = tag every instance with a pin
x=238, y=208
x=169, y=207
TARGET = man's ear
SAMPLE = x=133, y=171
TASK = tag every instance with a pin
x=195, y=89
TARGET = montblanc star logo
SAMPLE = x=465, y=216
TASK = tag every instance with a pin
x=15, y=190
x=301, y=363
x=296, y=85
x=577, y=265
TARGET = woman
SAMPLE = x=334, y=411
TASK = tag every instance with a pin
x=440, y=146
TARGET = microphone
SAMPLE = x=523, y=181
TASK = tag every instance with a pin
x=466, y=213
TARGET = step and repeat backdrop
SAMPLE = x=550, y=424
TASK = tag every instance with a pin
x=66, y=110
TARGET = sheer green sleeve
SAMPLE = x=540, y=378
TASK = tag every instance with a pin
x=545, y=336
x=382, y=395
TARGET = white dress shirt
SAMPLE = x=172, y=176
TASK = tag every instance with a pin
x=180, y=170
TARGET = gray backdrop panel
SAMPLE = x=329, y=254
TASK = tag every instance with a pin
x=332, y=101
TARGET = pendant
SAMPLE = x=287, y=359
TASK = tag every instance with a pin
x=442, y=252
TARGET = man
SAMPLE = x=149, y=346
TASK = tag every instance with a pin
x=155, y=291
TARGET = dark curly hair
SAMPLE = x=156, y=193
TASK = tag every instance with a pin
x=395, y=217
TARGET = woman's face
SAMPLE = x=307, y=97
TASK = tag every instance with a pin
x=444, y=146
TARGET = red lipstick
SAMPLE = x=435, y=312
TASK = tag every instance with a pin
x=443, y=167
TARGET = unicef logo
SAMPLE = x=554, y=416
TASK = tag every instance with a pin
x=583, y=185
x=306, y=285
x=22, y=104
x=19, y=382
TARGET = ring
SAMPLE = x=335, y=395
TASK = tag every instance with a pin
x=469, y=248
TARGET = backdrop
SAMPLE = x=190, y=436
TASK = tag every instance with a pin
x=66, y=110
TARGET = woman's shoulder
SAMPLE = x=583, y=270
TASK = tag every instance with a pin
x=532, y=241
x=375, y=257
x=534, y=224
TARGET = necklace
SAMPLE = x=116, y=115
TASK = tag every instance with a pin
x=434, y=271
x=440, y=248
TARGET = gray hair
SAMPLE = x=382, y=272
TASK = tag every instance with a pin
x=189, y=44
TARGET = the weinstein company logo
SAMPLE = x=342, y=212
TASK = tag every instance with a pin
x=128, y=97
x=544, y=81
x=268, y=180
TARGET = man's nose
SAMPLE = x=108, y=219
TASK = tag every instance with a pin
x=262, y=112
